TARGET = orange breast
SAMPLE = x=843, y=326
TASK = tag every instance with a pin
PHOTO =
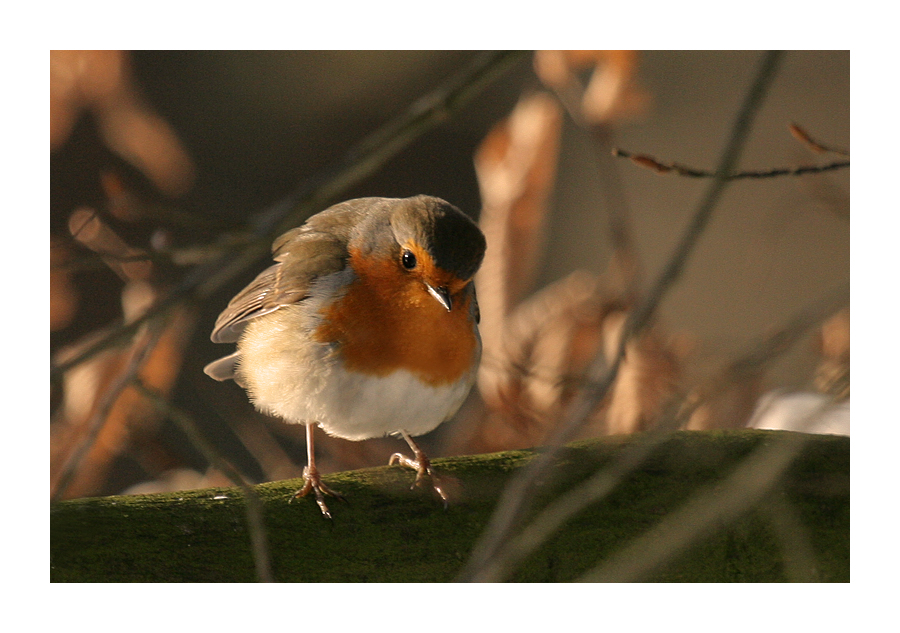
x=387, y=321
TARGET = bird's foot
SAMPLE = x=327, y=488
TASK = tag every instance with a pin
x=312, y=481
x=422, y=465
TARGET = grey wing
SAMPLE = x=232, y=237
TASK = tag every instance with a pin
x=316, y=248
x=224, y=368
x=260, y=297
x=301, y=259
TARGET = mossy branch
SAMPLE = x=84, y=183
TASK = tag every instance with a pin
x=387, y=532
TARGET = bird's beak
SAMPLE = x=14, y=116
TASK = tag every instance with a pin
x=441, y=294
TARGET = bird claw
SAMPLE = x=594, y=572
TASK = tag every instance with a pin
x=313, y=482
x=422, y=466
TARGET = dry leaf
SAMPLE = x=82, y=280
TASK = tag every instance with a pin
x=88, y=228
x=833, y=372
x=100, y=82
x=516, y=168
x=611, y=93
x=84, y=388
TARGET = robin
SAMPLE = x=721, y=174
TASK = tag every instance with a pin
x=367, y=326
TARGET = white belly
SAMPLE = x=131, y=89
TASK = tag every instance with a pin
x=358, y=407
x=305, y=383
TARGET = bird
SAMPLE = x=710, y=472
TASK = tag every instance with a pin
x=366, y=326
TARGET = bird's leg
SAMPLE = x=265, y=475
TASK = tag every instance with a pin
x=311, y=479
x=422, y=466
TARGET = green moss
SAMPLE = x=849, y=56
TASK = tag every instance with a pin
x=386, y=532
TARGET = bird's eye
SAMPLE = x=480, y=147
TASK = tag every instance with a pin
x=408, y=260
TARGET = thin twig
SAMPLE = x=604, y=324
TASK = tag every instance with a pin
x=803, y=136
x=648, y=162
x=187, y=256
x=197, y=284
x=139, y=355
x=643, y=160
x=258, y=538
x=516, y=497
x=359, y=163
x=618, y=212
x=719, y=504
x=374, y=151
x=640, y=317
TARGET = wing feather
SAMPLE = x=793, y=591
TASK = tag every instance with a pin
x=312, y=250
x=307, y=256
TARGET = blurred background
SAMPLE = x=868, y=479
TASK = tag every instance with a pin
x=162, y=161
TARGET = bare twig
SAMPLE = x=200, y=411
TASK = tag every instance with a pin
x=754, y=477
x=643, y=160
x=515, y=499
x=803, y=136
x=258, y=538
x=618, y=211
x=139, y=355
x=676, y=264
x=186, y=256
